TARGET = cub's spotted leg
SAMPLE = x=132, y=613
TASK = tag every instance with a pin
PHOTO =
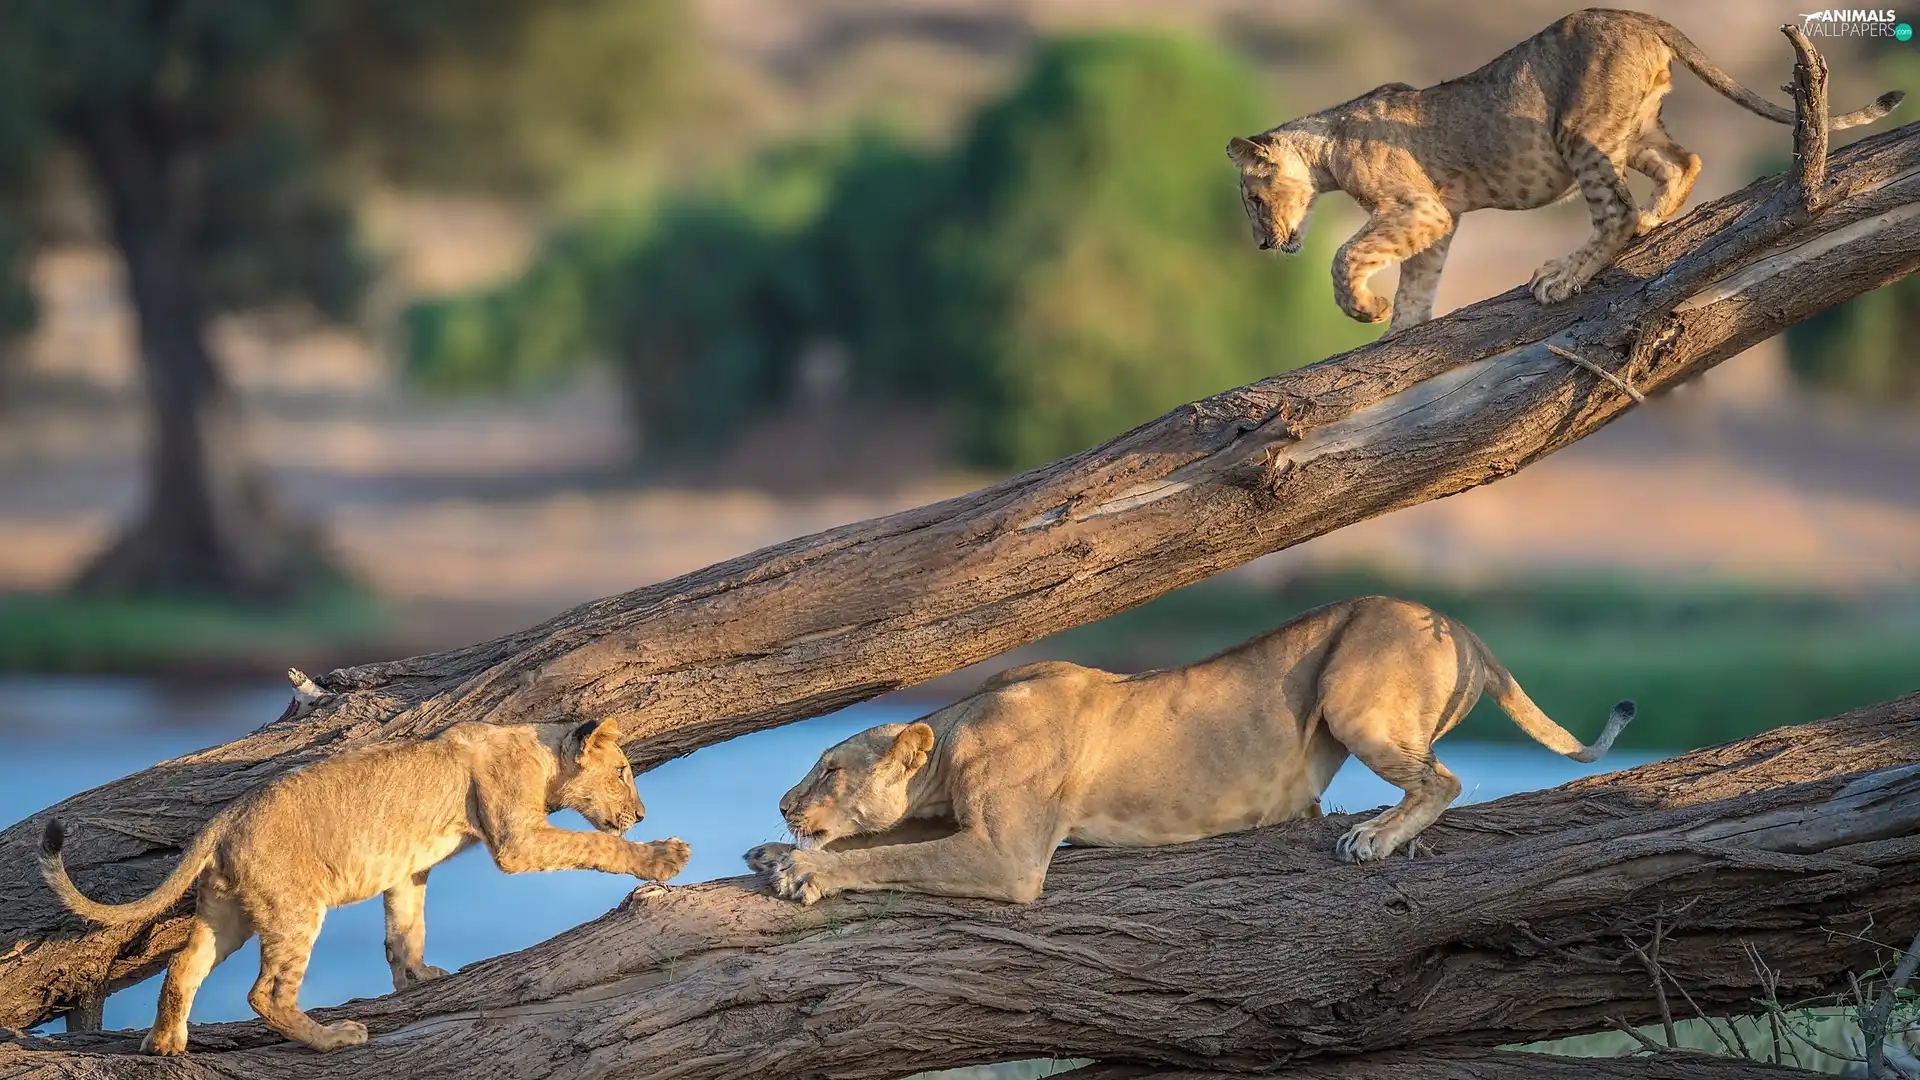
x=218, y=929
x=1397, y=231
x=407, y=933
x=284, y=952
x=1419, y=283
x=1610, y=205
x=1673, y=169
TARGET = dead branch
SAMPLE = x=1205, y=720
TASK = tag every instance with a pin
x=1811, y=124
x=1241, y=953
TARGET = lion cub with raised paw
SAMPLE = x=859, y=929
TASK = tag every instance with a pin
x=376, y=821
x=1571, y=108
x=974, y=800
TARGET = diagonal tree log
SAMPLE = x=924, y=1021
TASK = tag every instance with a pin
x=823, y=621
x=1446, y=1064
x=1242, y=953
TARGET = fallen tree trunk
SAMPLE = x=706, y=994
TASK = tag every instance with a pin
x=821, y=622
x=1792, y=852
x=1453, y=1064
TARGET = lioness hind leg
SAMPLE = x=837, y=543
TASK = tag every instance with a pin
x=407, y=933
x=1673, y=169
x=284, y=951
x=1429, y=788
x=218, y=929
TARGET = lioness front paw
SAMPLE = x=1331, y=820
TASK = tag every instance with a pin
x=340, y=1035
x=168, y=1043
x=794, y=877
x=1555, y=281
x=761, y=859
x=1648, y=222
x=1369, y=841
x=662, y=859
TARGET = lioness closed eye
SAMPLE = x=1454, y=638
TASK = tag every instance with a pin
x=376, y=821
x=973, y=801
x=1574, y=106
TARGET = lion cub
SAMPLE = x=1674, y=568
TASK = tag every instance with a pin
x=973, y=801
x=1573, y=107
x=376, y=821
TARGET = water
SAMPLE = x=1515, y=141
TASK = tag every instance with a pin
x=59, y=736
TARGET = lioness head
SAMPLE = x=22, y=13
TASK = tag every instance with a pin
x=1276, y=188
x=596, y=779
x=859, y=786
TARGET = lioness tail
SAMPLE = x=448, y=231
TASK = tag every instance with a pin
x=1500, y=684
x=1710, y=73
x=53, y=868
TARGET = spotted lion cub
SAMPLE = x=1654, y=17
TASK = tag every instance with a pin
x=1573, y=107
x=376, y=821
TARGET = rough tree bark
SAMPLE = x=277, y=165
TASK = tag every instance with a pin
x=1242, y=953
x=209, y=522
x=1445, y=1064
x=821, y=622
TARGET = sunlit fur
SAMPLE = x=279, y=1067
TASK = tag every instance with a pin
x=371, y=822
x=974, y=800
x=1567, y=111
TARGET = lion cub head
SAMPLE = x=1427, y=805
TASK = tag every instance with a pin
x=596, y=779
x=1276, y=188
x=859, y=786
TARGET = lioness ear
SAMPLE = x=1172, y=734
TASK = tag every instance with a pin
x=1246, y=153
x=597, y=735
x=910, y=747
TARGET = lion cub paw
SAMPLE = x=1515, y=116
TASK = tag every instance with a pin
x=1555, y=281
x=794, y=877
x=761, y=859
x=1368, y=841
x=164, y=1043
x=340, y=1035
x=662, y=859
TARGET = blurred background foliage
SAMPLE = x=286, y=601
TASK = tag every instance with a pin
x=1866, y=349
x=1074, y=265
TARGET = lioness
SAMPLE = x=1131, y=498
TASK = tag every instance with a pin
x=1576, y=105
x=376, y=821
x=973, y=801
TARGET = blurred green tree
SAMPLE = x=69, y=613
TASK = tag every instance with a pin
x=1096, y=269
x=224, y=140
x=1869, y=347
x=1078, y=264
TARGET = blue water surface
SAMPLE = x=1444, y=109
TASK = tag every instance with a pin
x=60, y=736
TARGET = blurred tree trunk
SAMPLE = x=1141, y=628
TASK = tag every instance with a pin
x=209, y=523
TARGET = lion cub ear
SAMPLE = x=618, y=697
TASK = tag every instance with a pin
x=596, y=735
x=1246, y=153
x=910, y=747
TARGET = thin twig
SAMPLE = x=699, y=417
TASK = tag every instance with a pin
x=1705, y=1019
x=1624, y=386
x=1637, y=1037
x=1873, y=1023
x=1810, y=126
x=1650, y=960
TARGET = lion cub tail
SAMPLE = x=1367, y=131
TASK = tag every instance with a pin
x=53, y=868
x=1499, y=683
x=1710, y=73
